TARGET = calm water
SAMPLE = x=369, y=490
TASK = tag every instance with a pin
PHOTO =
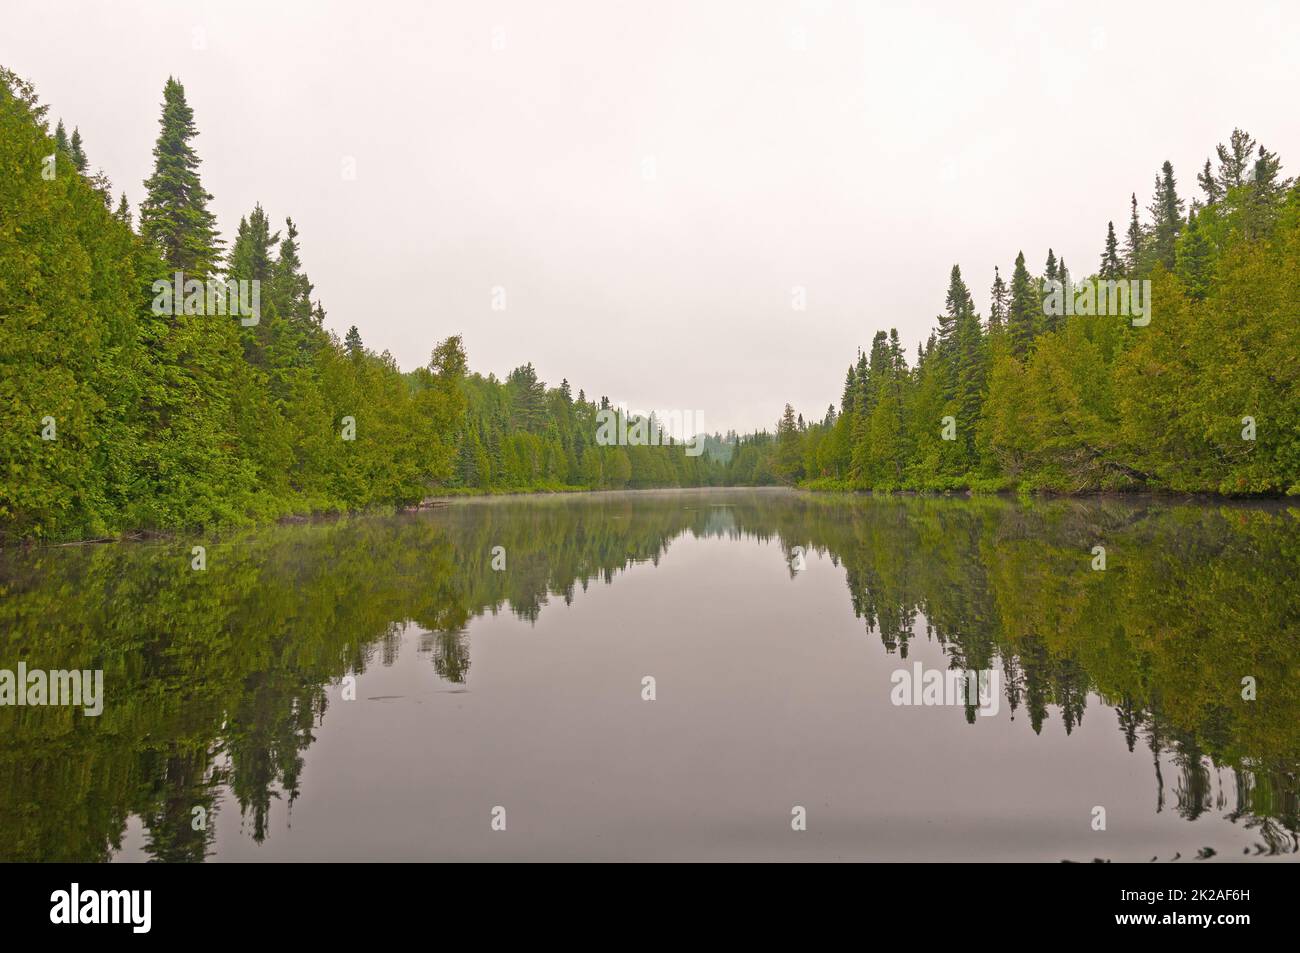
x=521, y=688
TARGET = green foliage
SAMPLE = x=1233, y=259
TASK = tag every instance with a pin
x=121, y=417
x=174, y=216
x=1205, y=397
x=164, y=419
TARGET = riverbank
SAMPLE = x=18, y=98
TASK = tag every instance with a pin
x=446, y=496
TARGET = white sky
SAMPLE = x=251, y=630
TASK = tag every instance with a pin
x=901, y=139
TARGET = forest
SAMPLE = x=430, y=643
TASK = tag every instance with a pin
x=121, y=418
x=1199, y=394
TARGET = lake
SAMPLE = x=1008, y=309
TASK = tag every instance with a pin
x=677, y=675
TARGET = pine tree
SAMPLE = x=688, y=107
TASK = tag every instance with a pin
x=174, y=216
x=998, y=305
x=1265, y=195
x=250, y=260
x=1022, y=314
x=123, y=213
x=1194, y=260
x=957, y=305
x=1166, y=217
x=1052, y=321
x=1234, y=160
x=250, y=254
x=78, y=152
x=528, y=399
x=61, y=138
x=352, y=342
x=1134, y=242
x=847, y=395
x=1111, y=267
x=291, y=287
x=1209, y=185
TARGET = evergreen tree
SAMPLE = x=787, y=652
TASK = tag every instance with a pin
x=352, y=342
x=250, y=255
x=1166, y=217
x=1194, y=260
x=123, y=213
x=1022, y=314
x=998, y=303
x=1134, y=242
x=292, y=290
x=957, y=305
x=78, y=152
x=1209, y=185
x=789, y=458
x=1112, y=269
x=1234, y=161
x=1265, y=194
x=847, y=395
x=174, y=216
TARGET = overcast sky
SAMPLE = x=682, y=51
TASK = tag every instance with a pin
x=648, y=181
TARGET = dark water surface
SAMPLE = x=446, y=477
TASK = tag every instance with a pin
x=225, y=733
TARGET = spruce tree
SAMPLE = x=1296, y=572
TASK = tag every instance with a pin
x=1166, y=217
x=1209, y=184
x=1134, y=242
x=1051, y=277
x=1053, y=321
x=352, y=342
x=1265, y=195
x=174, y=216
x=123, y=213
x=292, y=289
x=847, y=396
x=1234, y=160
x=957, y=305
x=78, y=152
x=1024, y=308
x=998, y=305
x=967, y=376
x=1111, y=267
x=250, y=254
x=1194, y=260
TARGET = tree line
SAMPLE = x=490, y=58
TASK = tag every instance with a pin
x=120, y=418
x=1202, y=394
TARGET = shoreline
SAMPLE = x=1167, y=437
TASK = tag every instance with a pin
x=443, y=500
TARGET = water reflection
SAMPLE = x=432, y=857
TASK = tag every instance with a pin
x=217, y=681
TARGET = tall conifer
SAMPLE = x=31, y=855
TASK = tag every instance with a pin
x=174, y=216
